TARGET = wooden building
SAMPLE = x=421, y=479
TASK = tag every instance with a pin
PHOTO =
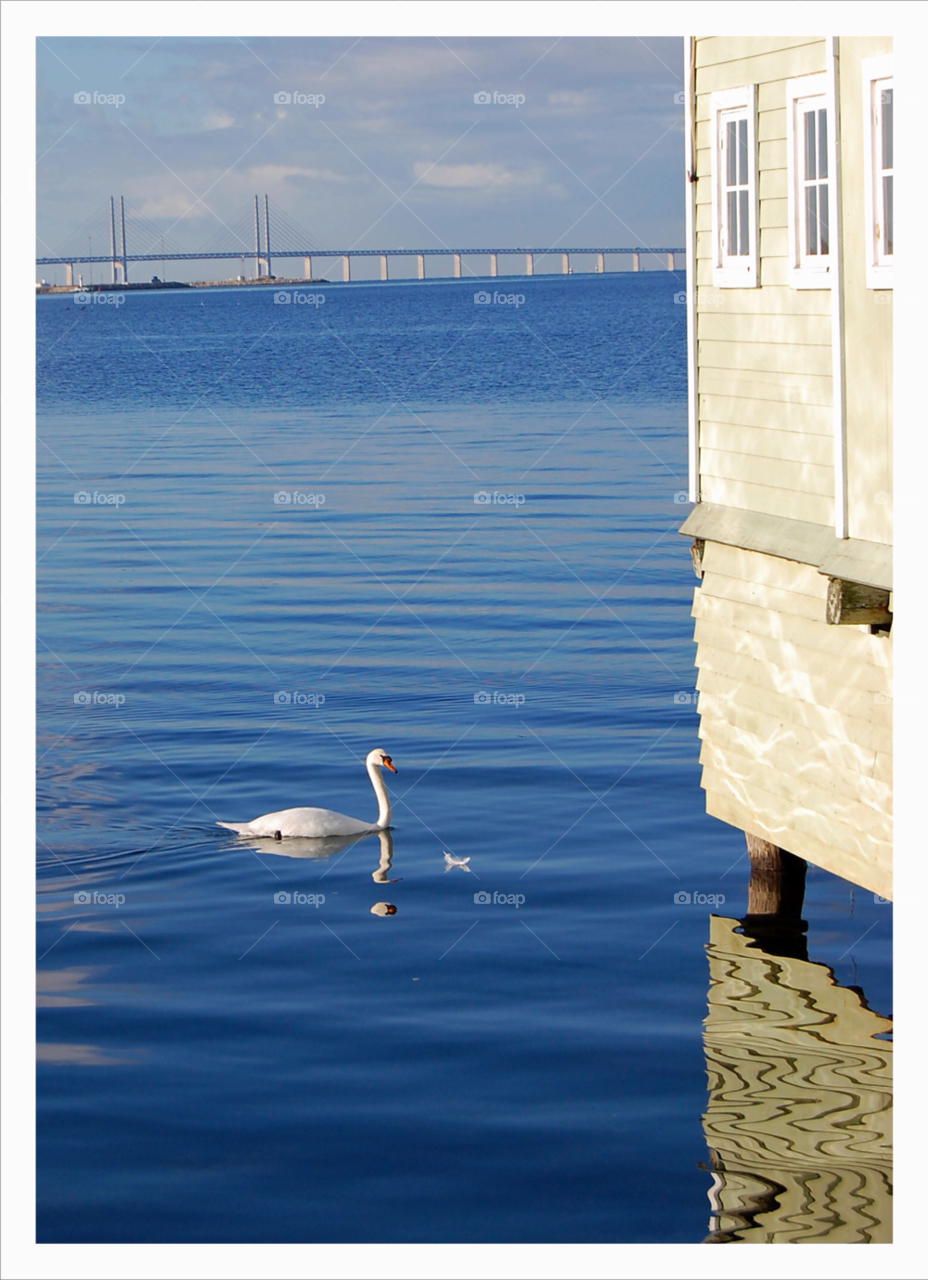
x=789, y=306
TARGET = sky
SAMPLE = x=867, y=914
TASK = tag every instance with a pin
x=580, y=143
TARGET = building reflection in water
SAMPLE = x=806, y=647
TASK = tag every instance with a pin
x=799, y=1118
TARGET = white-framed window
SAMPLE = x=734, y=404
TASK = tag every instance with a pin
x=734, y=188
x=878, y=170
x=810, y=182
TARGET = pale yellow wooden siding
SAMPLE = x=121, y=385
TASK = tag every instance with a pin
x=868, y=321
x=764, y=355
x=795, y=715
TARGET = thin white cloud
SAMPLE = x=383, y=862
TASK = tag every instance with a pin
x=270, y=174
x=473, y=176
x=218, y=120
x=571, y=98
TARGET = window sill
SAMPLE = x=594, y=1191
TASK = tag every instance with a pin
x=879, y=277
x=809, y=278
x=734, y=278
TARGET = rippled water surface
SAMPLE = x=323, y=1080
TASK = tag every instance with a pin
x=272, y=538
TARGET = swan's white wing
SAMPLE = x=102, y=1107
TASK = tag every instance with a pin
x=306, y=823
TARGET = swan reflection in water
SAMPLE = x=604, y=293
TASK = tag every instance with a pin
x=322, y=847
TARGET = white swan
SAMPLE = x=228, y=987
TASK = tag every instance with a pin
x=316, y=823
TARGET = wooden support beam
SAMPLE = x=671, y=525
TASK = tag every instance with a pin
x=696, y=551
x=851, y=604
x=777, y=883
x=776, y=891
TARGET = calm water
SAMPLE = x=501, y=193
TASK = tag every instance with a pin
x=218, y=1064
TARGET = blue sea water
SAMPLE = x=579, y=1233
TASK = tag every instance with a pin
x=272, y=537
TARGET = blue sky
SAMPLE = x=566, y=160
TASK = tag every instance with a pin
x=593, y=155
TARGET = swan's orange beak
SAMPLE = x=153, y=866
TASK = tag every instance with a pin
x=388, y=764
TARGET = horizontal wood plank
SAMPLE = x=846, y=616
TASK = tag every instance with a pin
x=771, y=358
x=804, y=767
x=802, y=59
x=767, y=500
x=741, y=411
x=777, y=300
x=772, y=473
x=767, y=570
x=713, y=50
x=724, y=587
x=821, y=720
x=765, y=328
x=868, y=705
x=767, y=442
x=770, y=389
x=847, y=645
x=805, y=669
x=798, y=793
x=783, y=813
x=875, y=874
x=727, y=716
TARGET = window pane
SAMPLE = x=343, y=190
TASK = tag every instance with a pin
x=743, y=220
x=743, y=152
x=811, y=220
x=823, y=144
x=887, y=104
x=809, y=135
x=823, y=218
x=731, y=245
x=731, y=148
x=888, y=215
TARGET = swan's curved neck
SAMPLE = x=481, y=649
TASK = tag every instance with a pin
x=380, y=791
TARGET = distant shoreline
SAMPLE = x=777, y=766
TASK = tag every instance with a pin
x=266, y=282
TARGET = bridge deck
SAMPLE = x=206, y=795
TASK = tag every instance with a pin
x=340, y=253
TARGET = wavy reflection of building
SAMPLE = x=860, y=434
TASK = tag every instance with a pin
x=799, y=1117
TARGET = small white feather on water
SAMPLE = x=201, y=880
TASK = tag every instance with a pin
x=451, y=861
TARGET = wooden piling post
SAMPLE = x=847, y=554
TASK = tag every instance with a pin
x=776, y=891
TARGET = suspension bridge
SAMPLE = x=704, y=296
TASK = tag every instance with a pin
x=247, y=241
